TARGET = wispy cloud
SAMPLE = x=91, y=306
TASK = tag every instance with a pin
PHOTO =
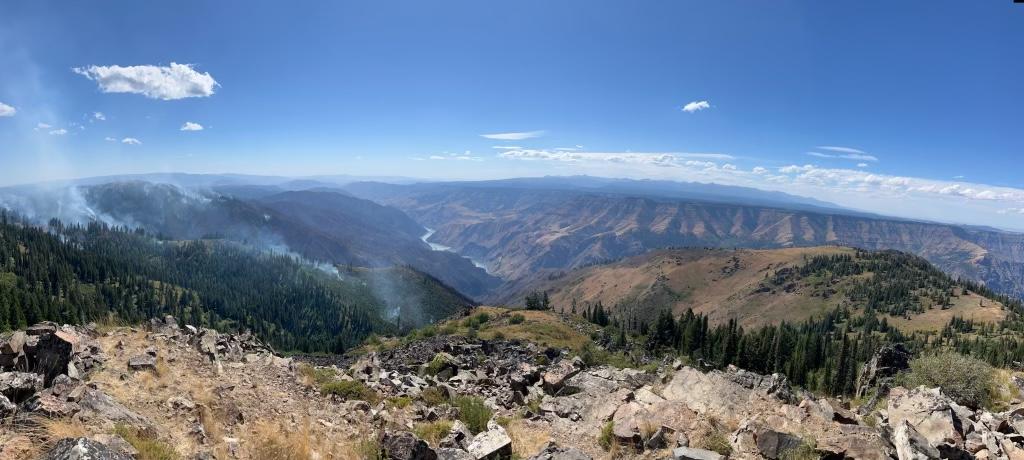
x=665, y=159
x=191, y=126
x=862, y=165
x=465, y=156
x=696, y=106
x=1011, y=211
x=6, y=110
x=99, y=116
x=42, y=125
x=833, y=148
x=58, y=132
x=131, y=141
x=843, y=153
x=516, y=136
x=110, y=139
x=177, y=81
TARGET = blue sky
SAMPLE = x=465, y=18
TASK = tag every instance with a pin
x=904, y=108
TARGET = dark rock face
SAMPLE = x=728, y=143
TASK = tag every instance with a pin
x=772, y=444
x=406, y=446
x=880, y=371
x=82, y=449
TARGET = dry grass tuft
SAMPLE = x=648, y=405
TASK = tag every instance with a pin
x=527, y=438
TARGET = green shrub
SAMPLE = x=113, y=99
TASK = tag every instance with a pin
x=714, y=441
x=966, y=380
x=805, y=451
x=350, y=389
x=149, y=447
x=437, y=364
x=433, y=396
x=400, y=402
x=432, y=432
x=473, y=412
x=517, y=319
x=607, y=437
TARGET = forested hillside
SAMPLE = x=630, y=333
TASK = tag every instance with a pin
x=825, y=352
x=78, y=274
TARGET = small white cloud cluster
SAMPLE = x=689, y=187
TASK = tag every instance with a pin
x=191, y=126
x=6, y=110
x=99, y=116
x=696, y=106
x=131, y=141
x=177, y=81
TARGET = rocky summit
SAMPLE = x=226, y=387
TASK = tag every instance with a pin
x=183, y=392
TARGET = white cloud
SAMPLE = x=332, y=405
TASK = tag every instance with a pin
x=513, y=136
x=729, y=167
x=845, y=156
x=466, y=156
x=99, y=116
x=696, y=106
x=58, y=132
x=862, y=165
x=663, y=159
x=109, y=139
x=177, y=81
x=43, y=126
x=833, y=148
x=506, y=147
x=1011, y=211
x=850, y=180
x=190, y=126
x=759, y=170
x=131, y=141
x=7, y=111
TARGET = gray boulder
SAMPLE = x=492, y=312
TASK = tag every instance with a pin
x=144, y=362
x=491, y=444
x=82, y=449
x=556, y=375
x=911, y=445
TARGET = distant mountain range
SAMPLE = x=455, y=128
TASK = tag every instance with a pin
x=516, y=228
x=519, y=230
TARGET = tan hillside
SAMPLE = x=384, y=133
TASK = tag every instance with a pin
x=728, y=284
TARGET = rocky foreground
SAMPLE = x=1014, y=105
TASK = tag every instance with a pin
x=166, y=391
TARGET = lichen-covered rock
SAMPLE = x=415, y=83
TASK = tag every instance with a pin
x=406, y=446
x=20, y=386
x=82, y=449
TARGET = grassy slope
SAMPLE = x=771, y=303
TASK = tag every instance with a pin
x=725, y=284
